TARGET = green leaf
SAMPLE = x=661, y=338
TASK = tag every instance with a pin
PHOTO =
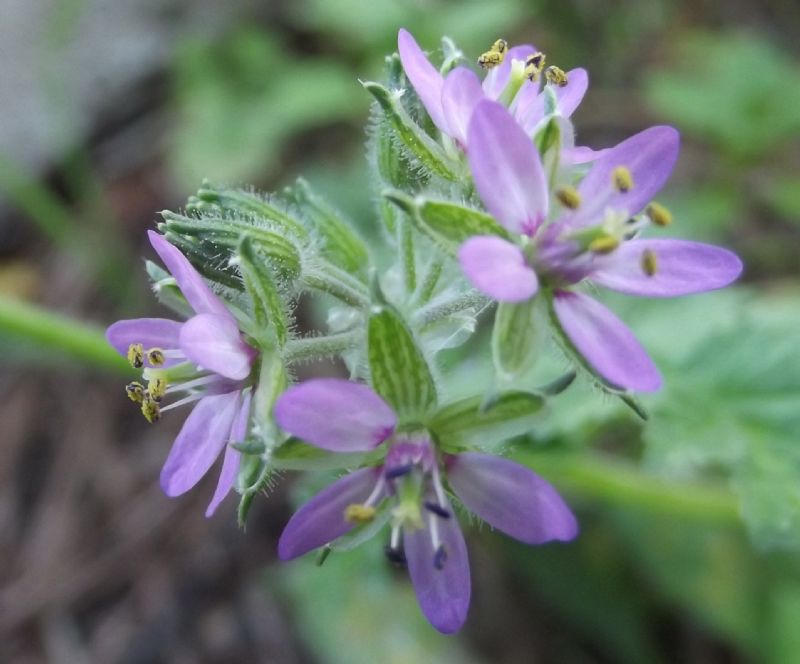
x=466, y=424
x=399, y=370
x=519, y=329
x=413, y=138
x=448, y=224
x=268, y=306
x=340, y=244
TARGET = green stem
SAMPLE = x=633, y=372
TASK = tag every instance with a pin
x=429, y=282
x=49, y=330
x=407, y=254
x=619, y=484
x=437, y=312
x=337, y=283
x=313, y=348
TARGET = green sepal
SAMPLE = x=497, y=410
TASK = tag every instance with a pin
x=398, y=368
x=340, y=244
x=467, y=424
x=166, y=290
x=427, y=152
x=204, y=236
x=294, y=454
x=516, y=337
x=249, y=203
x=251, y=446
x=269, y=309
x=446, y=223
x=363, y=533
x=452, y=56
x=627, y=397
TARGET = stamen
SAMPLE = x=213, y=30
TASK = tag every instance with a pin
x=395, y=556
x=135, y=392
x=556, y=76
x=157, y=388
x=659, y=215
x=437, y=509
x=191, y=384
x=604, y=244
x=357, y=513
x=180, y=402
x=150, y=409
x=155, y=356
x=534, y=65
x=398, y=471
x=568, y=197
x=622, y=179
x=440, y=557
x=136, y=355
x=495, y=55
x=649, y=262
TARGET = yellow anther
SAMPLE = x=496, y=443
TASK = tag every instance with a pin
x=649, y=262
x=534, y=66
x=556, y=76
x=604, y=244
x=495, y=55
x=568, y=197
x=658, y=214
x=150, y=408
x=136, y=355
x=157, y=388
x=135, y=392
x=357, y=513
x=622, y=178
x=155, y=356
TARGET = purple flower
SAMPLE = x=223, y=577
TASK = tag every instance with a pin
x=592, y=234
x=408, y=487
x=450, y=100
x=205, y=359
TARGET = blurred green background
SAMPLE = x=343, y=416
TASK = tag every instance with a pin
x=115, y=109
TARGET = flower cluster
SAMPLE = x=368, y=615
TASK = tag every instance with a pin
x=487, y=202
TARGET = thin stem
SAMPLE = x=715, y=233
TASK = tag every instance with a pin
x=45, y=329
x=407, y=255
x=314, y=348
x=437, y=312
x=616, y=483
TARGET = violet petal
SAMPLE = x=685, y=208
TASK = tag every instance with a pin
x=197, y=293
x=507, y=169
x=498, y=268
x=233, y=458
x=498, y=77
x=199, y=443
x=511, y=498
x=462, y=91
x=443, y=594
x=215, y=343
x=335, y=414
x=425, y=78
x=682, y=267
x=150, y=332
x=605, y=342
x=529, y=105
x=321, y=519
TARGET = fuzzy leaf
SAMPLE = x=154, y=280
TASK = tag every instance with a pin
x=466, y=424
x=400, y=373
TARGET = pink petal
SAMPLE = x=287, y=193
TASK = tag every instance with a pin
x=498, y=269
x=605, y=342
x=511, y=498
x=529, y=105
x=215, y=343
x=335, y=414
x=682, y=268
x=507, y=169
x=199, y=442
x=425, y=78
x=498, y=77
x=462, y=91
x=197, y=293
x=150, y=332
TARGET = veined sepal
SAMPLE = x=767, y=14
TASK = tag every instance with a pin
x=269, y=308
x=339, y=243
x=468, y=424
x=417, y=143
x=399, y=370
x=166, y=290
x=627, y=397
x=294, y=454
x=446, y=223
x=452, y=56
x=517, y=336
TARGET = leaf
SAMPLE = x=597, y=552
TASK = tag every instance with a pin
x=448, y=224
x=268, y=306
x=399, y=371
x=466, y=423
